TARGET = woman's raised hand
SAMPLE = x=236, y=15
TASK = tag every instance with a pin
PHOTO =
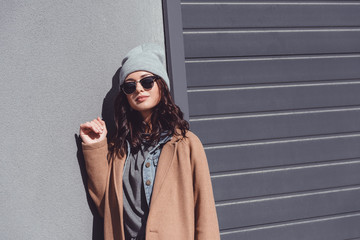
x=94, y=131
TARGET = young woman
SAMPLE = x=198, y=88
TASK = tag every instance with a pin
x=152, y=180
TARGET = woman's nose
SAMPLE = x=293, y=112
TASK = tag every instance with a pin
x=139, y=87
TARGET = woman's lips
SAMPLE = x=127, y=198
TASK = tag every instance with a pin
x=141, y=99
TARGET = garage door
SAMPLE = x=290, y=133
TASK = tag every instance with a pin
x=273, y=92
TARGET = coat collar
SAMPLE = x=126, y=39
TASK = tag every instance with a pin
x=166, y=158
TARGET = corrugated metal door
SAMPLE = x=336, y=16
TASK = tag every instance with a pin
x=274, y=95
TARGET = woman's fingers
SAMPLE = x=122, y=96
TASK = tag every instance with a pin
x=89, y=126
x=97, y=125
x=102, y=122
x=85, y=126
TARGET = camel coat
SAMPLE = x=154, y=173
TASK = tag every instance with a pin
x=182, y=204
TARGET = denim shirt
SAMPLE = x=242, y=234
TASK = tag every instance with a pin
x=148, y=173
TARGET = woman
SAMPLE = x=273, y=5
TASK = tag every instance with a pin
x=152, y=181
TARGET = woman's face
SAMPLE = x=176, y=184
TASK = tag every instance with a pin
x=143, y=100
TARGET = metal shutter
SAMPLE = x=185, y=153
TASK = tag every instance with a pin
x=273, y=90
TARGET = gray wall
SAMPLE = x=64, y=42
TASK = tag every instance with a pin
x=58, y=59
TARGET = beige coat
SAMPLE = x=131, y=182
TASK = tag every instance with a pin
x=182, y=203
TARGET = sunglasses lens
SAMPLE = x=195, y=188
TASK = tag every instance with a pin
x=147, y=82
x=129, y=87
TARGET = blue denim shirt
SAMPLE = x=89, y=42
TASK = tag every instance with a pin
x=148, y=173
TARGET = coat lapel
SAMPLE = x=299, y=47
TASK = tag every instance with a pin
x=166, y=158
x=118, y=166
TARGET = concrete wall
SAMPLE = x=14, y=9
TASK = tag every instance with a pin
x=58, y=61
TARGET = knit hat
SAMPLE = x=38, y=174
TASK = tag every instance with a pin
x=148, y=57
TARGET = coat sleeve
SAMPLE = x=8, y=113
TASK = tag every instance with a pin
x=206, y=222
x=97, y=168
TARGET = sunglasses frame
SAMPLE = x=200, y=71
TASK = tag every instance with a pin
x=153, y=77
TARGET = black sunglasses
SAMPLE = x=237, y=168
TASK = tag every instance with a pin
x=147, y=83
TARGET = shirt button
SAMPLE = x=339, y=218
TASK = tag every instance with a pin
x=148, y=182
x=147, y=164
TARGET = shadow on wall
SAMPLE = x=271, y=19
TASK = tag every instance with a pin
x=108, y=117
x=108, y=105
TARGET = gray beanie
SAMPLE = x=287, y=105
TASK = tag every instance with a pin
x=148, y=57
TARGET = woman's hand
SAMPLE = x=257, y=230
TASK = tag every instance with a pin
x=94, y=131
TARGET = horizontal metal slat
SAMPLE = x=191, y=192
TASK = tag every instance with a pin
x=286, y=179
x=270, y=42
x=288, y=207
x=279, y=152
x=345, y=226
x=271, y=70
x=276, y=125
x=237, y=15
x=296, y=2
x=239, y=99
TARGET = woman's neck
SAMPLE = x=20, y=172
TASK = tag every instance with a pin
x=146, y=115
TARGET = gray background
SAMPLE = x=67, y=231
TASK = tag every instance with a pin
x=58, y=59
